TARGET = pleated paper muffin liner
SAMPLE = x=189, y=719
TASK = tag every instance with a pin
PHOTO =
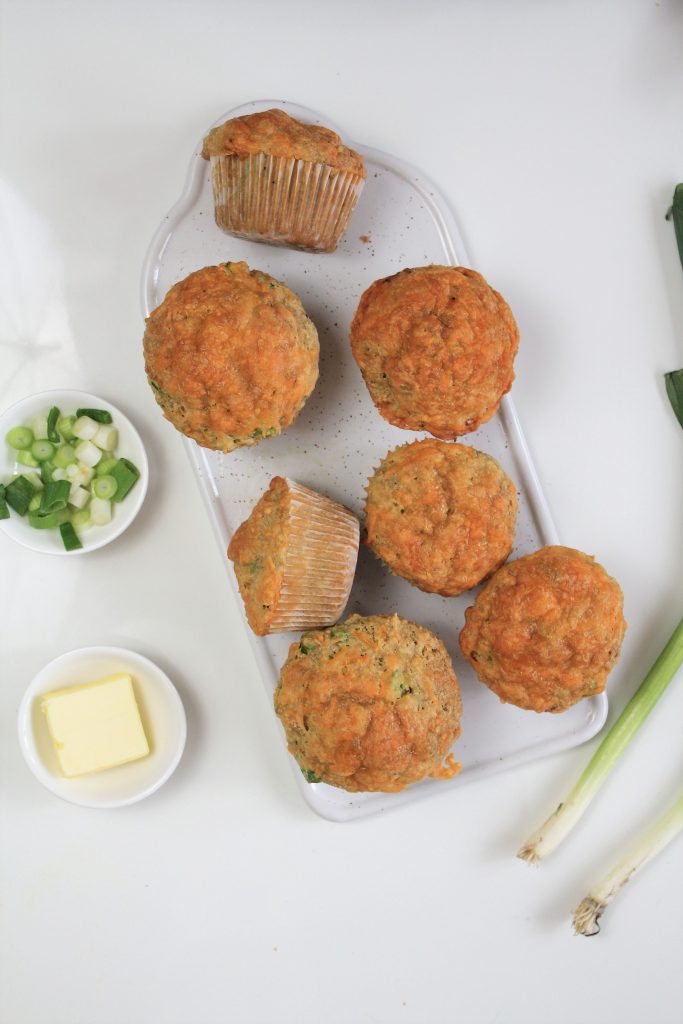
x=283, y=200
x=320, y=562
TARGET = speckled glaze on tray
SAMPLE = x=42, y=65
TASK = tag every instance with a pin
x=401, y=221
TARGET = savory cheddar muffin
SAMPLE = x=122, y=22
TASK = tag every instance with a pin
x=278, y=180
x=371, y=704
x=435, y=346
x=231, y=356
x=546, y=630
x=441, y=515
x=294, y=558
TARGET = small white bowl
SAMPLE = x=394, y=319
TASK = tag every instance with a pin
x=161, y=710
x=130, y=447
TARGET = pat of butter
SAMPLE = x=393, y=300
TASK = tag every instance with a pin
x=95, y=726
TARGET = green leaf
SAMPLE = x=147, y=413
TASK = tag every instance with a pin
x=674, y=389
x=676, y=214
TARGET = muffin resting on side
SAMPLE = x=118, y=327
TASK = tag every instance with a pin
x=371, y=704
x=435, y=346
x=231, y=356
x=441, y=515
x=278, y=180
x=546, y=630
x=294, y=558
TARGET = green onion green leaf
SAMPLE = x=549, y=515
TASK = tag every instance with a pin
x=48, y=520
x=55, y=496
x=126, y=476
x=52, y=418
x=99, y=415
x=69, y=537
x=674, y=389
x=676, y=215
x=18, y=494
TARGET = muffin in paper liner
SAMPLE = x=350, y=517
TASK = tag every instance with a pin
x=295, y=559
x=280, y=181
x=283, y=201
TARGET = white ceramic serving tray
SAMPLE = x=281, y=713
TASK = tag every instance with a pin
x=401, y=221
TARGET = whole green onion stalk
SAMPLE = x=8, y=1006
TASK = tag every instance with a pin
x=652, y=842
x=568, y=813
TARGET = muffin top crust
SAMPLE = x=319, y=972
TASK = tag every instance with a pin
x=441, y=515
x=276, y=133
x=435, y=346
x=372, y=704
x=546, y=630
x=231, y=356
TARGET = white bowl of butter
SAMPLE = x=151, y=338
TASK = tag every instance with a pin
x=102, y=727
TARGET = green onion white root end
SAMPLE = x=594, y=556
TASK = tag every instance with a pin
x=660, y=834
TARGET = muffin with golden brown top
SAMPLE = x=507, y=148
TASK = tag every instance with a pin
x=231, y=356
x=294, y=558
x=546, y=630
x=278, y=180
x=435, y=346
x=441, y=515
x=372, y=704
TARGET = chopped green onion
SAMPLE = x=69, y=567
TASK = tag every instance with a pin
x=47, y=520
x=85, y=428
x=34, y=503
x=52, y=418
x=100, y=511
x=88, y=453
x=561, y=822
x=78, y=496
x=81, y=519
x=99, y=415
x=40, y=428
x=26, y=459
x=105, y=466
x=674, y=389
x=676, y=214
x=104, y=486
x=20, y=438
x=106, y=438
x=55, y=496
x=34, y=480
x=659, y=835
x=4, y=511
x=69, y=537
x=18, y=494
x=65, y=426
x=126, y=475
x=46, y=471
x=64, y=456
x=42, y=450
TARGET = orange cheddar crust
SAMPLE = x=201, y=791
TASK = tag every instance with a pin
x=441, y=515
x=276, y=133
x=436, y=347
x=546, y=630
x=371, y=704
x=231, y=356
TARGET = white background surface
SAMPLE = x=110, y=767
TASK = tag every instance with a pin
x=555, y=131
